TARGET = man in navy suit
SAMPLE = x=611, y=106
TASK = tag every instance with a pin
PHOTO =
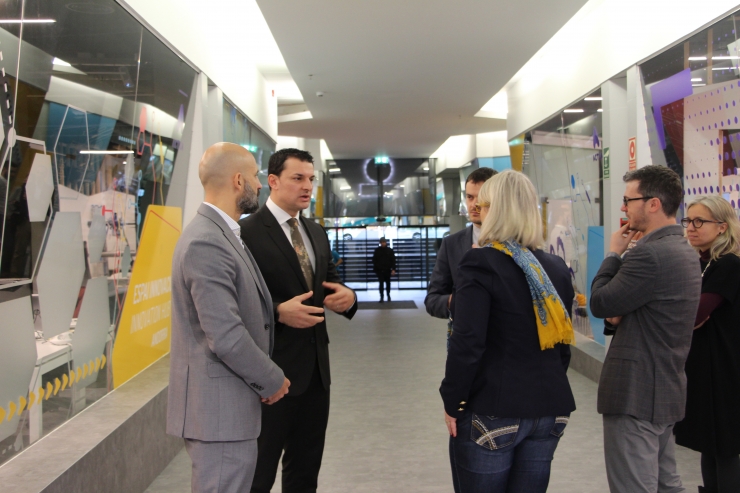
x=444, y=277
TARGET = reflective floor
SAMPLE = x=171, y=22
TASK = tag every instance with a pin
x=386, y=431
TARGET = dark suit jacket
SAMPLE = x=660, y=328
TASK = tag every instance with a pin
x=495, y=366
x=296, y=351
x=444, y=275
x=656, y=289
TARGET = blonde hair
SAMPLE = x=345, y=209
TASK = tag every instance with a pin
x=721, y=210
x=514, y=213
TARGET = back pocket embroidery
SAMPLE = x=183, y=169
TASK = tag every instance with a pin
x=484, y=431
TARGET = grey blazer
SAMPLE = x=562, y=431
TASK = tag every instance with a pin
x=656, y=289
x=444, y=275
x=222, y=335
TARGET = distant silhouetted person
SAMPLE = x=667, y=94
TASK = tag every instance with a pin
x=384, y=265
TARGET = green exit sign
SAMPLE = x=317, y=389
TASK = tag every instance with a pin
x=381, y=160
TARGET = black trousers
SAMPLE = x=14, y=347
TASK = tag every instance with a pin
x=720, y=474
x=296, y=426
x=384, y=277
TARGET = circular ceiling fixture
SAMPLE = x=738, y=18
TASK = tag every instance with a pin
x=89, y=8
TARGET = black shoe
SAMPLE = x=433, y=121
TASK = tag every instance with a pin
x=381, y=300
x=389, y=297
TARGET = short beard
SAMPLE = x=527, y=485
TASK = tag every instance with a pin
x=249, y=201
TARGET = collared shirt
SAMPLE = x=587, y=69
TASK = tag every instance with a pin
x=476, y=234
x=233, y=225
x=282, y=219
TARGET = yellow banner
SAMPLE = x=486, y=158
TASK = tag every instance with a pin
x=144, y=330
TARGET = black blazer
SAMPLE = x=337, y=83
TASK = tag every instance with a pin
x=494, y=363
x=296, y=351
x=444, y=275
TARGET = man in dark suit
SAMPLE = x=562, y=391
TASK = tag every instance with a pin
x=384, y=265
x=444, y=276
x=295, y=258
x=651, y=296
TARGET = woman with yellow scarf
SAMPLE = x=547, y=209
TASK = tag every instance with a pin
x=506, y=395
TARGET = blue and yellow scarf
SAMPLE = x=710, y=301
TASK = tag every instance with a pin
x=553, y=321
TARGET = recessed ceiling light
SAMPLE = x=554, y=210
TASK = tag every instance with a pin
x=600, y=110
x=335, y=170
x=726, y=57
x=425, y=168
x=27, y=21
x=593, y=98
x=697, y=85
x=697, y=58
x=696, y=79
x=573, y=110
x=723, y=68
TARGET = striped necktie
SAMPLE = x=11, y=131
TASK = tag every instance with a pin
x=301, y=252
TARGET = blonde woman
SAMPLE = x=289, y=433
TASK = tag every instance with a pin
x=506, y=395
x=712, y=370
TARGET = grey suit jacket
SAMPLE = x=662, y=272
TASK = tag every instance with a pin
x=656, y=289
x=222, y=335
x=444, y=275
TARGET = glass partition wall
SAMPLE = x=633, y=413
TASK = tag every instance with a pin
x=239, y=129
x=91, y=123
x=693, y=92
x=365, y=199
x=563, y=159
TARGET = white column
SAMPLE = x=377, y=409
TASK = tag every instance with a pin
x=615, y=136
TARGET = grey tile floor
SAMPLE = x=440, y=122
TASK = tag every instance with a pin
x=386, y=430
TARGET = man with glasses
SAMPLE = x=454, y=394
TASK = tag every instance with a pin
x=651, y=296
x=444, y=277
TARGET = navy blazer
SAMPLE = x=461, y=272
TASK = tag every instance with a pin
x=444, y=275
x=495, y=366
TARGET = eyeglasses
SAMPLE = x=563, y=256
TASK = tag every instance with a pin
x=626, y=201
x=697, y=222
x=477, y=207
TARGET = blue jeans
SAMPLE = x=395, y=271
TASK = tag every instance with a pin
x=506, y=455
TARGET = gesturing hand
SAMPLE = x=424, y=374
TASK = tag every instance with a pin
x=294, y=313
x=341, y=299
x=279, y=394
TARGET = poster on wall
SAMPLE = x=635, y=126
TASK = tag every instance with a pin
x=144, y=330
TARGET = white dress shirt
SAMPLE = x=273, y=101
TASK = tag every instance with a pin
x=233, y=225
x=282, y=219
x=476, y=234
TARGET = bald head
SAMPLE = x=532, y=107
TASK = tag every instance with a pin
x=221, y=162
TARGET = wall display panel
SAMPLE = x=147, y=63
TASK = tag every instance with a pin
x=92, y=115
x=694, y=122
x=563, y=159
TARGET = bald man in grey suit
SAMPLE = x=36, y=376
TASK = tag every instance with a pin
x=222, y=331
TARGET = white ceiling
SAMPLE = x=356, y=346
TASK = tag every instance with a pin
x=400, y=77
